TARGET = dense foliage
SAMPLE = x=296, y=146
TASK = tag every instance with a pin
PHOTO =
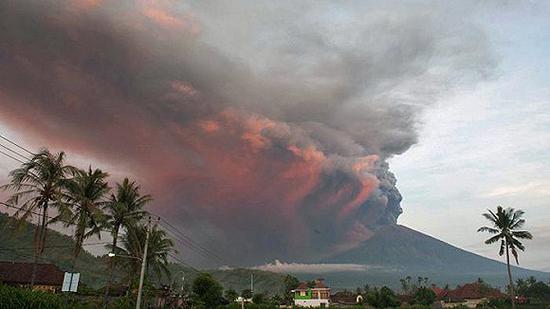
x=382, y=298
x=207, y=292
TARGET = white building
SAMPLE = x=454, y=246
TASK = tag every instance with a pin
x=316, y=296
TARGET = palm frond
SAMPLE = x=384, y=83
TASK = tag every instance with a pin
x=522, y=234
x=493, y=239
x=488, y=229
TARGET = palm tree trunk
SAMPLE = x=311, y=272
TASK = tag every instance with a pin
x=39, y=249
x=111, y=269
x=511, y=282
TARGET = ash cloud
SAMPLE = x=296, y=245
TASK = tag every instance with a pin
x=262, y=128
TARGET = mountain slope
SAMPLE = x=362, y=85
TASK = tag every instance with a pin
x=396, y=250
x=16, y=245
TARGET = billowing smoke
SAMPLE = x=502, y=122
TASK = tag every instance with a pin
x=263, y=129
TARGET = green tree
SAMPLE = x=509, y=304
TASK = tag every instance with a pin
x=207, y=292
x=291, y=283
x=133, y=245
x=124, y=210
x=505, y=225
x=259, y=298
x=246, y=293
x=85, y=199
x=39, y=184
x=383, y=298
x=424, y=296
x=231, y=295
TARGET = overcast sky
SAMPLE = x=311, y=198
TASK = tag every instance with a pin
x=490, y=146
x=267, y=126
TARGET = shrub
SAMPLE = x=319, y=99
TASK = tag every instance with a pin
x=424, y=296
x=12, y=297
x=382, y=298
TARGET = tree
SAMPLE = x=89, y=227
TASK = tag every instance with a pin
x=133, y=245
x=505, y=225
x=383, y=298
x=207, y=292
x=246, y=293
x=124, y=210
x=291, y=283
x=231, y=295
x=85, y=200
x=424, y=296
x=259, y=298
x=39, y=184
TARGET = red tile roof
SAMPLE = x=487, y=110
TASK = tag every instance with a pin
x=319, y=284
x=21, y=273
x=302, y=287
x=474, y=291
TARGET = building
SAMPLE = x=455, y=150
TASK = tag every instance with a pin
x=470, y=295
x=346, y=298
x=48, y=277
x=312, y=295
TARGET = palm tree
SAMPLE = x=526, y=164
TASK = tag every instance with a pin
x=124, y=210
x=159, y=248
x=85, y=200
x=39, y=184
x=506, y=223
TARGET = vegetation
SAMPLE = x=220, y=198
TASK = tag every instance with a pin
x=81, y=200
x=536, y=291
x=123, y=211
x=38, y=185
x=207, y=292
x=83, y=205
x=424, y=296
x=505, y=227
x=382, y=298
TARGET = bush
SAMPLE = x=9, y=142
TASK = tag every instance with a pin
x=12, y=297
x=424, y=296
x=383, y=298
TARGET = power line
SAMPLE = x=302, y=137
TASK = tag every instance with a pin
x=191, y=242
x=13, y=151
x=12, y=157
x=56, y=246
x=190, y=245
x=186, y=240
x=16, y=145
x=175, y=257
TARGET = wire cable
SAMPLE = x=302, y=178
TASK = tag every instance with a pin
x=16, y=145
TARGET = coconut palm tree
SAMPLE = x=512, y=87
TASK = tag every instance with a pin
x=39, y=185
x=505, y=225
x=159, y=248
x=85, y=200
x=124, y=210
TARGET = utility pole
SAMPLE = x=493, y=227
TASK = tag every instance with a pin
x=252, y=283
x=143, y=264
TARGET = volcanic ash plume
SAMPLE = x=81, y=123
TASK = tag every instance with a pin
x=262, y=126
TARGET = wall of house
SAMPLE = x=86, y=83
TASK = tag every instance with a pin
x=311, y=302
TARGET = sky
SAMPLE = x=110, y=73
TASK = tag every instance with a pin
x=293, y=130
x=489, y=146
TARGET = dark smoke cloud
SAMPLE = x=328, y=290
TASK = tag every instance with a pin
x=259, y=126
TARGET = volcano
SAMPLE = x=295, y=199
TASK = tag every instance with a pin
x=396, y=251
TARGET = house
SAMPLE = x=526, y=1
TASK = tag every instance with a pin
x=470, y=295
x=48, y=277
x=346, y=298
x=313, y=295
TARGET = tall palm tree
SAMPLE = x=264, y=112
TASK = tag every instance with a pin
x=124, y=210
x=159, y=248
x=39, y=184
x=85, y=200
x=506, y=223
